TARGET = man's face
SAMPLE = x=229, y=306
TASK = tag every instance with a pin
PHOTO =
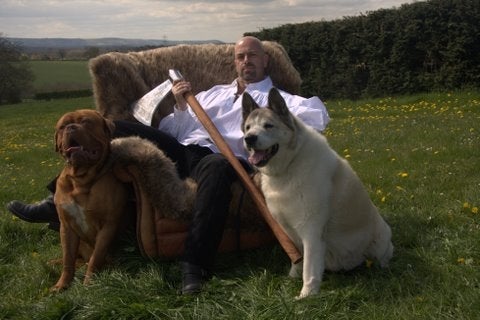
x=250, y=61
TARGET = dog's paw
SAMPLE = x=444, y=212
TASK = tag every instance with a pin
x=306, y=292
x=303, y=295
x=88, y=279
x=58, y=287
x=64, y=281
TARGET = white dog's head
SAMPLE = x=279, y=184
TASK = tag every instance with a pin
x=269, y=133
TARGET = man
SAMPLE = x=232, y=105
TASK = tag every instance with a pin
x=182, y=137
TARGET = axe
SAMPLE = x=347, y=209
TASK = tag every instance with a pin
x=286, y=243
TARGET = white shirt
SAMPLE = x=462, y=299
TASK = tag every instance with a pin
x=226, y=113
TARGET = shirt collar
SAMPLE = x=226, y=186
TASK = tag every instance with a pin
x=263, y=85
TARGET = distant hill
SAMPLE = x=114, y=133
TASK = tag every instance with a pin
x=34, y=44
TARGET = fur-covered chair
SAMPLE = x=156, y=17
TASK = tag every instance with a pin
x=120, y=79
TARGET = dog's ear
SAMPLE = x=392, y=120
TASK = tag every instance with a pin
x=56, y=138
x=57, y=148
x=248, y=105
x=277, y=104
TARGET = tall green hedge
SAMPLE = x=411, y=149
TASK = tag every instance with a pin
x=423, y=46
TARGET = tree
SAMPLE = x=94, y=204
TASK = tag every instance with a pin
x=62, y=53
x=16, y=77
x=91, y=52
x=420, y=46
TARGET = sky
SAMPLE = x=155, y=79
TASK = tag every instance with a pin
x=169, y=19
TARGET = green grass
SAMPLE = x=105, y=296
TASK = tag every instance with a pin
x=60, y=75
x=418, y=157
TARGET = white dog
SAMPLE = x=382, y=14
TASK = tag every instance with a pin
x=313, y=193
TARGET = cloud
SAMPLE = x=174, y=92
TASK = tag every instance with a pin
x=173, y=19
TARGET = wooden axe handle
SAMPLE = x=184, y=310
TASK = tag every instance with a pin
x=286, y=243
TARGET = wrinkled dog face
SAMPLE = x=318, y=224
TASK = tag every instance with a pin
x=82, y=137
x=267, y=131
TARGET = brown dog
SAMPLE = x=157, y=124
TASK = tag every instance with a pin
x=90, y=200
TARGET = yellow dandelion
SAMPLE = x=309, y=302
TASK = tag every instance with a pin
x=347, y=156
x=461, y=260
x=383, y=199
x=403, y=174
x=466, y=205
x=475, y=210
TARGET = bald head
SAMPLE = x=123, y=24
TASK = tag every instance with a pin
x=250, y=41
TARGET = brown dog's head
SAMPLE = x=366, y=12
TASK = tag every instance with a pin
x=83, y=137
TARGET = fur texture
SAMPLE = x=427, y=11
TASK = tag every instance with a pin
x=171, y=195
x=119, y=79
x=313, y=193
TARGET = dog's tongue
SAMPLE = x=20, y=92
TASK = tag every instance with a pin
x=79, y=150
x=74, y=149
x=256, y=157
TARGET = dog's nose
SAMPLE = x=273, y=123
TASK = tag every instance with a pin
x=250, y=139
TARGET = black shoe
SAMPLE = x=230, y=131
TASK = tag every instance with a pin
x=193, y=278
x=43, y=211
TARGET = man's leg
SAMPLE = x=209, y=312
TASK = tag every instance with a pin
x=214, y=176
x=41, y=212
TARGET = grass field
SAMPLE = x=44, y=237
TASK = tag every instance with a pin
x=418, y=157
x=60, y=75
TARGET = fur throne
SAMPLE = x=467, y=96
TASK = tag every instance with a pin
x=120, y=79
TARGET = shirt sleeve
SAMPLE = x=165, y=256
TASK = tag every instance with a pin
x=312, y=111
x=184, y=125
x=178, y=123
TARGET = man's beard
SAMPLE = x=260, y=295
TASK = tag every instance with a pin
x=249, y=75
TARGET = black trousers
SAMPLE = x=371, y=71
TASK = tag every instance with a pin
x=214, y=176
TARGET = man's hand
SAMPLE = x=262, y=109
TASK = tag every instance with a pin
x=179, y=89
